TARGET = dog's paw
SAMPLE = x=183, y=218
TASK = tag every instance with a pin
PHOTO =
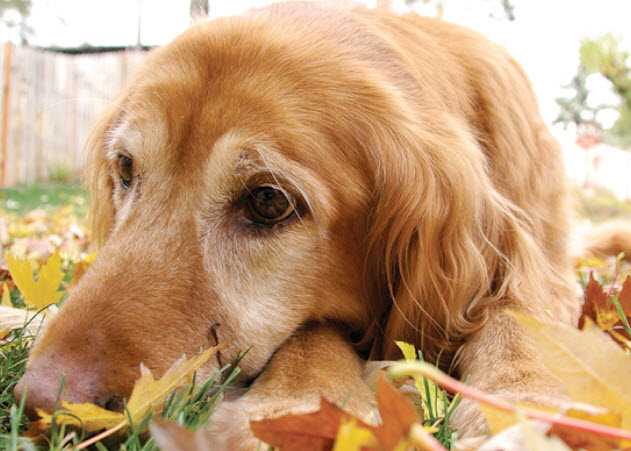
x=468, y=419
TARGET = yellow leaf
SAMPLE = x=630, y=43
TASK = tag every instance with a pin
x=147, y=394
x=87, y=416
x=6, y=296
x=430, y=396
x=499, y=420
x=89, y=259
x=409, y=353
x=594, y=369
x=43, y=292
x=351, y=437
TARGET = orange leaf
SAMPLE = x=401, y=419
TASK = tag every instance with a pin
x=397, y=415
x=595, y=300
x=309, y=431
x=318, y=430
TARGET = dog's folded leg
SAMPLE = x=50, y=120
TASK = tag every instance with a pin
x=501, y=360
x=316, y=361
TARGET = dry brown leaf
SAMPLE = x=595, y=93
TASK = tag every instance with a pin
x=599, y=308
x=318, y=430
x=311, y=431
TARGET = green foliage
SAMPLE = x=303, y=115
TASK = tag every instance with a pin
x=191, y=406
x=23, y=7
x=600, y=205
x=603, y=56
x=47, y=196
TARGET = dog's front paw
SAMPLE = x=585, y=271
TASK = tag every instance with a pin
x=468, y=419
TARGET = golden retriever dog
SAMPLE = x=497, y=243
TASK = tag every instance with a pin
x=320, y=182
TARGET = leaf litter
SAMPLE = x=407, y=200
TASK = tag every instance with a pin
x=45, y=254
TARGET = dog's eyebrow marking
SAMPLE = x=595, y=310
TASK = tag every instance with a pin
x=237, y=156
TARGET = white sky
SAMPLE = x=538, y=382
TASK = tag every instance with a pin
x=544, y=37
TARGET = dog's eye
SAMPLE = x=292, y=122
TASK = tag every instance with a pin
x=125, y=171
x=268, y=205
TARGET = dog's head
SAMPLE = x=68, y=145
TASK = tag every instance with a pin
x=260, y=179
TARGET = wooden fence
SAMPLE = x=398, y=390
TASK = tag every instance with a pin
x=49, y=101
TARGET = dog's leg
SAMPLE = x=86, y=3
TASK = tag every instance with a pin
x=500, y=359
x=316, y=361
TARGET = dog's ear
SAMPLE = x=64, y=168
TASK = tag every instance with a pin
x=97, y=176
x=443, y=244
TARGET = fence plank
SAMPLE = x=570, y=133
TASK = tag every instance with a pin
x=53, y=100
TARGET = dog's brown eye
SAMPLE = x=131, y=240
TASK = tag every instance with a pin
x=269, y=205
x=125, y=171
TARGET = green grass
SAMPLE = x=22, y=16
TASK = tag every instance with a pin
x=47, y=196
x=600, y=205
x=190, y=407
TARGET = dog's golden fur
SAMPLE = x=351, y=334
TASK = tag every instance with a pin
x=429, y=197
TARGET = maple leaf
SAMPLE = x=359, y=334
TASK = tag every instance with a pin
x=594, y=370
x=319, y=430
x=43, y=292
x=147, y=396
x=611, y=314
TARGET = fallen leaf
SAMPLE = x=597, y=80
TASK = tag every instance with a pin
x=15, y=318
x=40, y=293
x=90, y=417
x=397, y=415
x=352, y=437
x=426, y=387
x=147, y=395
x=319, y=430
x=579, y=439
x=601, y=309
x=311, y=431
x=81, y=268
x=594, y=370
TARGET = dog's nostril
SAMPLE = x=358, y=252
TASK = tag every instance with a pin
x=114, y=403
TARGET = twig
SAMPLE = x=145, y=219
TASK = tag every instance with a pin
x=101, y=436
x=450, y=384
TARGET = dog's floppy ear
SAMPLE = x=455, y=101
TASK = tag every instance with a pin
x=443, y=244
x=98, y=178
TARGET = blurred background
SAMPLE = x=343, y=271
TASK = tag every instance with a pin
x=61, y=61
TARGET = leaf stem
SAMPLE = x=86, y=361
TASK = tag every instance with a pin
x=101, y=436
x=448, y=383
